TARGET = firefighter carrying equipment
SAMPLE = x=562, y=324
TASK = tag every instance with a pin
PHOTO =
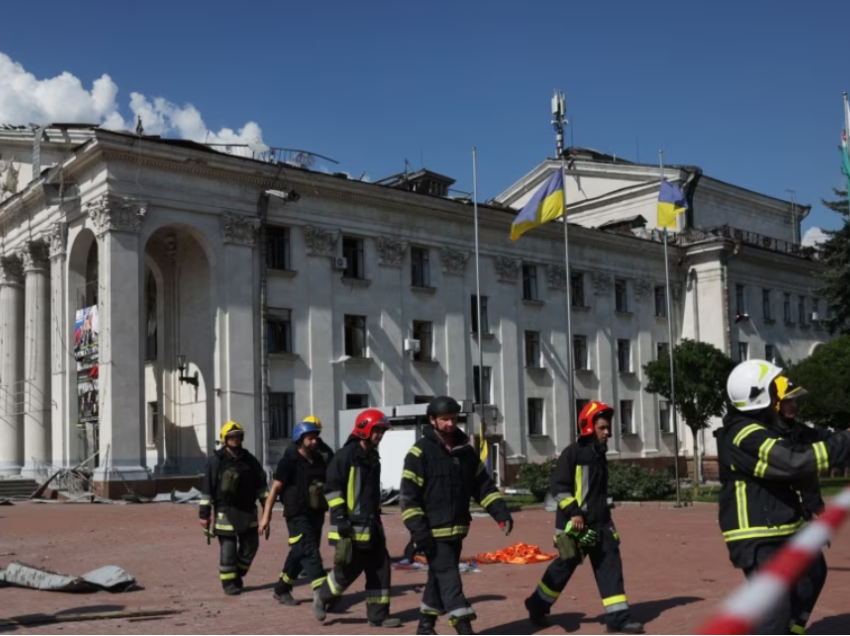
x=748, y=386
x=591, y=412
x=759, y=472
x=368, y=421
x=579, y=484
x=232, y=485
x=231, y=429
x=437, y=487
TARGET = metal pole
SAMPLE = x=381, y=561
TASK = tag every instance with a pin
x=478, y=297
x=670, y=347
x=571, y=415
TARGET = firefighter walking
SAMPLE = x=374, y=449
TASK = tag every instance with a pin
x=353, y=492
x=300, y=481
x=442, y=473
x=583, y=526
x=233, y=483
x=762, y=472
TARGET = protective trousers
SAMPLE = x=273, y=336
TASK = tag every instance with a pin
x=608, y=569
x=237, y=555
x=374, y=560
x=444, y=590
x=791, y=615
x=305, y=534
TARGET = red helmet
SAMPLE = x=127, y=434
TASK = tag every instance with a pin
x=369, y=420
x=588, y=415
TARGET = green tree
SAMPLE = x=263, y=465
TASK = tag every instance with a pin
x=701, y=372
x=826, y=377
x=835, y=275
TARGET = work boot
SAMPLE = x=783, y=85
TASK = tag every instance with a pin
x=632, y=627
x=535, y=615
x=232, y=589
x=284, y=598
x=240, y=583
x=390, y=623
x=319, y=609
x=464, y=627
x=427, y=625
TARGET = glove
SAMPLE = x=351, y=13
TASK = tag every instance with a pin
x=588, y=538
x=507, y=527
x=345, y=529
x=426, y=546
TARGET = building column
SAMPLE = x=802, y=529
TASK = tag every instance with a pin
x=11, y=365
x=63, y=435
x=37, y=404
x=239, y=333
x=117, y=223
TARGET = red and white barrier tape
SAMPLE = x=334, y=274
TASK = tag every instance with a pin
x=751, y=603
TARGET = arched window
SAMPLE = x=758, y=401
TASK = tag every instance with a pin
x=150, y=311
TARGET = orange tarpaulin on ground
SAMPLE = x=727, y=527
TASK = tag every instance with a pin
x=519, y=554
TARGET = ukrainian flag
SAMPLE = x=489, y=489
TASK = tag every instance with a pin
x=671, y=203
x=547, y=205
x=484, y=446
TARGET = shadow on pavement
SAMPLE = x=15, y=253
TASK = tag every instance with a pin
x=33, y=620
x=411, y=616
x=839, y=624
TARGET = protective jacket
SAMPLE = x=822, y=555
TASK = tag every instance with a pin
x=809, y=488
x=760, y=471
x=579, y=484
x=233, y=485
x=353, y=491
x=437, y=487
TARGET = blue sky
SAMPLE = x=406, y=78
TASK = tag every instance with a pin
x=750, y=94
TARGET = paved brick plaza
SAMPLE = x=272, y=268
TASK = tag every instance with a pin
x=676, y=572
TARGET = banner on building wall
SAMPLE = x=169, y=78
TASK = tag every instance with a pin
x=87, y=388
x=86, y=333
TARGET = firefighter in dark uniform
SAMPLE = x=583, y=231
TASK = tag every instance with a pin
x=233, y=484
x=353, y=492
x=810, y=586
x=583, y=525
x=761, y=472
x=442, y=473
x=300, y=481
x=322, y=447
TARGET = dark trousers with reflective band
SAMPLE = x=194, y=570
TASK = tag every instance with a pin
x=807, y=594
x=444, y=590
x=305, y=534
x=374, y=560
x=787, y=616
x=608, y=568
x=237, y=555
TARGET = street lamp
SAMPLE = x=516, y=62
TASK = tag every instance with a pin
x=181, y=366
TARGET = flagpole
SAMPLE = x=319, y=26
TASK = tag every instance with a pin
x=670, y=346
x=559, y=112
x=478, y=298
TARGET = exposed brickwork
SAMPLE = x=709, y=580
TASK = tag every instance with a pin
x=676, y=571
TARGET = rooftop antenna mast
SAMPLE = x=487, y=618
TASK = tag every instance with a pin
x=559, y=120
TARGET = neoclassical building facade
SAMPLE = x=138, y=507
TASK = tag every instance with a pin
x=153, y=289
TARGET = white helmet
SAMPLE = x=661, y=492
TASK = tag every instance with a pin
x=749, y=383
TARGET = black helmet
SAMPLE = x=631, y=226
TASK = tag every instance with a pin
x=443, y=405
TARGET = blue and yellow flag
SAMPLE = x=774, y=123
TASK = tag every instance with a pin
x=671, y=203
x=546, y=205
x=483, y=446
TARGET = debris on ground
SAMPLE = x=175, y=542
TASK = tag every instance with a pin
x=5, y=502
x=47, y=619
x=517, y=554
x=192, y=496
x=110, y=578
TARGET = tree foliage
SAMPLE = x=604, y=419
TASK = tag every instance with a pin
x=826, y=377
x=701, y=373
x=835, y=275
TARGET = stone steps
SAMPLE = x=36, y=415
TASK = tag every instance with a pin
x=17, y=488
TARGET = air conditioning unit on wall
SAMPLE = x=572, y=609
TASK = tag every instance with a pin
x=340, y=262
x=412, y=345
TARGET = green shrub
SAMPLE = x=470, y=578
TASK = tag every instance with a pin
x=626, y=482
x=535, y=478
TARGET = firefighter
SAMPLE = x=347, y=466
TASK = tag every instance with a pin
x=300, y=480
x=583, y=525
x=442, y=473
x=760, y=472
x=233, y=484
x=353, y=491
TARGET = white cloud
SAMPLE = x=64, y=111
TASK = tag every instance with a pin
x=814, y=236
x=25, y=99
